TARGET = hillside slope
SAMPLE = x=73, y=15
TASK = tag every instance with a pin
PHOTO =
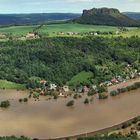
x=106, y=16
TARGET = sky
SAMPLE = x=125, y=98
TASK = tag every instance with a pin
x=65, y=6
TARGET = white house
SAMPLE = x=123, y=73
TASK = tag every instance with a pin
x=61, y=94
x=95, y=34
x=53, y=86
x=66, y=88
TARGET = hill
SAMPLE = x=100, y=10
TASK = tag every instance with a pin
x=68, y=59
x=106, y=16
x=134, y=15
x=22, y=19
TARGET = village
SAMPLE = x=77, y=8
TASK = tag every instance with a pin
x=45, y=88
x=36, y=35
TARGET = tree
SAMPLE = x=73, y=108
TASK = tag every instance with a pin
x=86, y=101
x=5, y=104
x=70, y=103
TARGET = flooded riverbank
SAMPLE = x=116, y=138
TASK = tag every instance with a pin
x=51, y=118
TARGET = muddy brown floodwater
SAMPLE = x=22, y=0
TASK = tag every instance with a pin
x=51, y=119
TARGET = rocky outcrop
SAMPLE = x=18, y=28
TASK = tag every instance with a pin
x=106, y=16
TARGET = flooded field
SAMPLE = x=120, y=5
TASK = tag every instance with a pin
x=51, y=119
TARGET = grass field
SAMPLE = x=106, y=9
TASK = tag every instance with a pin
x=80, y=28
x=80, y=78
x=69, y=27
x=53, y=29
x=17, y=29
x=4, y=84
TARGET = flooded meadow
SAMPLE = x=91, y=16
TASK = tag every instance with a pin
x=53, y=119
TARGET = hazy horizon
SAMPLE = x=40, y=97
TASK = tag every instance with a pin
x=64, y=6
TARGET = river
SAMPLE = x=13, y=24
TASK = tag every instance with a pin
x=51, y=118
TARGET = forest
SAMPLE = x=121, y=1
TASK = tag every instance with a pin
x=59, y=59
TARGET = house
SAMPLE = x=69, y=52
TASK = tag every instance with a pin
x=95, y=34
x=94, y=87
x=79, y=89
x=66, y=88
x=114, y=81
x=42, y=93
x=70, y=33
x=102, y=84
x=138, y=73
x=138, y=133
x=30, y=35
x=38, y=89
x=117, y=32
x=2, y=36
x=132, y=75
x=53, y=86
x=127, y=78
x=107, y=83
x=61, y=94
x=43, y=82
x=120, y=79
x=85, y=89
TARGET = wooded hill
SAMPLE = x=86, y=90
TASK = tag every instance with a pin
x=59, y=59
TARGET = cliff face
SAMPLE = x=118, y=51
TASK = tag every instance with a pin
x=101, y=11
x=105, y=16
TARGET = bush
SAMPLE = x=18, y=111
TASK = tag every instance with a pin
x=70, y=103
x=136, y=120
x=25, y=99
x=102, y=89
x=91, y=99
x=91, y=92
x=55, y=96
x=75, y=96
x=86, y=101
x=5, y=104
x=103, y=96
x=79, y=96
x=114, y=93
x=20, y=100
x=125, y=125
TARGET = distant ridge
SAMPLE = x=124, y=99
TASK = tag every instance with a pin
x=134, y=15
x=22, y=19
x=106, y=16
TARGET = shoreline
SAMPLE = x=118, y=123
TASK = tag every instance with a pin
x=104, y=130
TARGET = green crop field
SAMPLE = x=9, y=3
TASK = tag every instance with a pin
x=17, y=29
x=69, y=27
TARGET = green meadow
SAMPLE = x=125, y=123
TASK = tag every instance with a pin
x=4, y=84
x=54, y=29
x=82, y=77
